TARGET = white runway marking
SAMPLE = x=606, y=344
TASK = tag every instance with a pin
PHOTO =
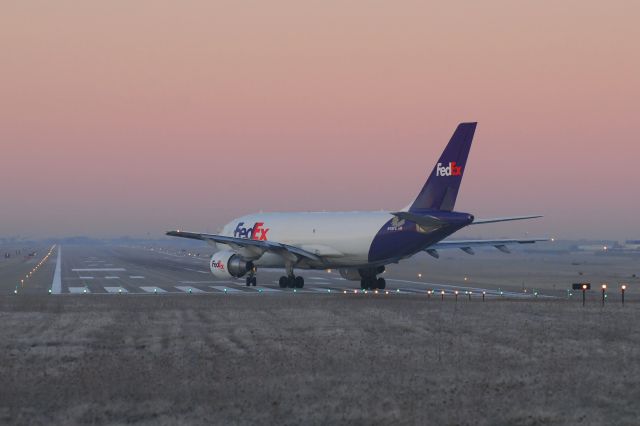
x=319, y=289
x=319, y=278
x=189, y=289
x=86, y=278
x=99, y=270
x=195, y=270
x=111, y=278
x=79, y=290
x=136, y=277
x=116, y=290
x=56, y=285
x=204, y=282
x=153, y=289
x=227, y=289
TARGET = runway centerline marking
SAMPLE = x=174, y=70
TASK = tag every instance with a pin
x=56, y=285
x=136, y=277
x=86, y=278
x=111, y=278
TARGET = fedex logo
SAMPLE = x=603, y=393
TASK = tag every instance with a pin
x=450, y=170
x=217, y=264
x=256, y=232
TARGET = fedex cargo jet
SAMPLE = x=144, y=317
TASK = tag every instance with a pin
x=358, y=244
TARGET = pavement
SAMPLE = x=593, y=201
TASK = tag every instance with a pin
x=118, y=270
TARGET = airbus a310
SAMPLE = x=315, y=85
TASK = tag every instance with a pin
x=358, y=244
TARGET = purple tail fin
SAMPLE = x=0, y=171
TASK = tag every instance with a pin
x=441, y=189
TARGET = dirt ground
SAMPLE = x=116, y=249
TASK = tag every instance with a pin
x=316, y=359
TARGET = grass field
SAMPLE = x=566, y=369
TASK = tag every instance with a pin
x=317, y=359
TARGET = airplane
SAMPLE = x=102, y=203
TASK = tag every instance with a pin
x=358, y=244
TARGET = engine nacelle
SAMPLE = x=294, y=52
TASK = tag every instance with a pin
x=225, y=264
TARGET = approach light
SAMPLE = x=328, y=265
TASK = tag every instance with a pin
x=329, y=270
x=442, y=292
x=456, y=292
x=584, y=286
x=419, y=275
x=465, y=278
x=604, y=286
x=376, y=292
x=386, y=292
x=624, y=287
x=49, y=291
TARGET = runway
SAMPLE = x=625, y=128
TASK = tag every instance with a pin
x=110, y=270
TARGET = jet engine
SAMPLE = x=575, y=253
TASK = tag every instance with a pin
x=225, y=264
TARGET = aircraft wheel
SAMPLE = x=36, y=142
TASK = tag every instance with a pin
x=291, y=282
x=254, y=281
x=283, y=282
x=299, y=282
x=248, y=281
x=382, y=284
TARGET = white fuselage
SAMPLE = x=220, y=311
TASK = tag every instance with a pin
x=342, y=238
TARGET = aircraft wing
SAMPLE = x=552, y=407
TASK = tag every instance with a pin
x=467, y=245
x=245, y=242
x=503, y=219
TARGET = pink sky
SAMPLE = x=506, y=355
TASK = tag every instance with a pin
x=126, y=117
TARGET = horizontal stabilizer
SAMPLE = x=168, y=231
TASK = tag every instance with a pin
x=503, y=219
x=466, y=245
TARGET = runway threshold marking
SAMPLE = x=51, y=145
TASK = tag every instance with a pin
x=98, y=270
x=56, y=285
x=116, y=290
x=187, y=289
x=153, y=289
x=225, y=289
x=79, y=290
x=111, y=278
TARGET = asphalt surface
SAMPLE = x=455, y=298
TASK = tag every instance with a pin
x=161, y=270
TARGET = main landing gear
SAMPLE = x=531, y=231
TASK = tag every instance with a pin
x=369, y=281
x=291, y=281
x=251, y=278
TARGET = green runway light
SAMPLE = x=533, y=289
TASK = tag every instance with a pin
x=259, y=290
x=294, y=290
x=535, y=294
x=49, y=291
x=397, y=290
x=155, y=290
x=189, y=290
x=15, y=291
x=328, y=290
x=225, y=290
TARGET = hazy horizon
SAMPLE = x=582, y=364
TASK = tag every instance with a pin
x=121, y=118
